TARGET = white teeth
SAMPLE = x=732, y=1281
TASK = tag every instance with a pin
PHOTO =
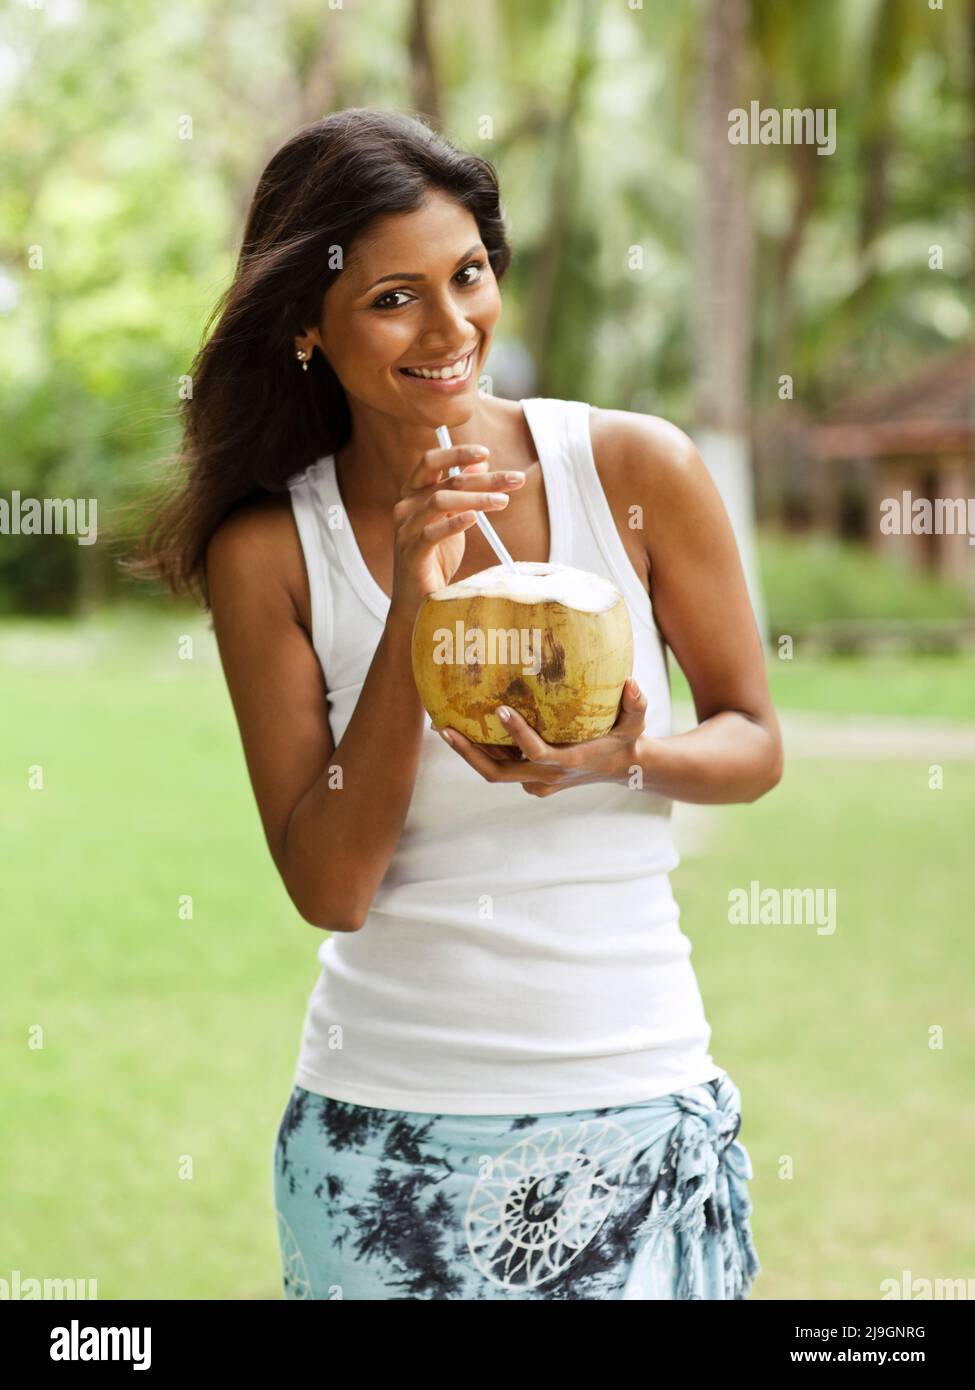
x=443, y=373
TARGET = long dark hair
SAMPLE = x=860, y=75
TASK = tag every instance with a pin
x=254, y=418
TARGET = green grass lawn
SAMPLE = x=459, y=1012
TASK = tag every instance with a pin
x=168, y=1042
x=811, y=578
x=828, y=1036
x=938, y=687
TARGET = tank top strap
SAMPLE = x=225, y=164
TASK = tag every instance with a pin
x=584, y=500
x=313, y=491
x=550, y=430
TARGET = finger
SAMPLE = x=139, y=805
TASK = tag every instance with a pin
x=533, y=747
x=633, y=709
x=482, y=762
x=498, y=752
x=436, y=531
x=428, y=513
x=449, y=494
x=436, y=463
x=446, y=499
x=503, y=752
x=541, y=788
x=495, y=478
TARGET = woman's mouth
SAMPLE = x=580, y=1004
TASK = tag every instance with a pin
x=442, y=379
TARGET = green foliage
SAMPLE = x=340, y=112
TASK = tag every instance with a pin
x=595, y=145
x=818, y=579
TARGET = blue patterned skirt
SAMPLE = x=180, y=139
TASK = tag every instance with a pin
x=641, y=1201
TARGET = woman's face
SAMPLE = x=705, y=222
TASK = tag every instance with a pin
x=416, y=291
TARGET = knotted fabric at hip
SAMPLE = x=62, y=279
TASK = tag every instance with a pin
x=702, y=1186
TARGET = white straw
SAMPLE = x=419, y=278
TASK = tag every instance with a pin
x=493, y=539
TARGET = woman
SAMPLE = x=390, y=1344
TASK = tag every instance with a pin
x=503, y=1088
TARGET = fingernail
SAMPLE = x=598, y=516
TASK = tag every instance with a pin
x=446, y=737
x=504, y=713
x=634, y=687
x=479, y=451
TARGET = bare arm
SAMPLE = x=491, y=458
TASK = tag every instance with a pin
x=701, y=606
x=332, y=816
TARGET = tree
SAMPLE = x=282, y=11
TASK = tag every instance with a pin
x=723, y=263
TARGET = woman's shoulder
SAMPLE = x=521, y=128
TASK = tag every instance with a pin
x=257, y=544
x=640, y=447
x=646, y=461
x=259, y=526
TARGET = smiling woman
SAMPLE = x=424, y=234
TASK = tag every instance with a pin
x=426, y=335
x=318, y=226
x=505, y=977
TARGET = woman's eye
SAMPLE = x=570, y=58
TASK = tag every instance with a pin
x=379, y=302
x=472, y=265
x=391, y=294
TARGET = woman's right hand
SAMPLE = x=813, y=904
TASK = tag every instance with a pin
x=431, y=516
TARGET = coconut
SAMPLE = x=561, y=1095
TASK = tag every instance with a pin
x=552, y=642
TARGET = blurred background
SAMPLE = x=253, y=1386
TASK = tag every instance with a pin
x=804, y=313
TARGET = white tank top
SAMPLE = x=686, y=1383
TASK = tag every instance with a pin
x=520, y=955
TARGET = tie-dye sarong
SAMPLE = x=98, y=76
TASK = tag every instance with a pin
x=645, y=1201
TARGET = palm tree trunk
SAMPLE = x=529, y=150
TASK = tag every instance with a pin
x=562, y=192
x=423, y=73
x=723, y=320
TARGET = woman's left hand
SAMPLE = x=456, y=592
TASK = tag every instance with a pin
x=543, y=768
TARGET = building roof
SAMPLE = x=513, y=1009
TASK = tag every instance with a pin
x=929, y=412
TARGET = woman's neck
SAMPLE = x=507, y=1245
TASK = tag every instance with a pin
x=383, y=451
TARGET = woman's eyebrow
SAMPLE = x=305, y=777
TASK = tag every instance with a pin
x=408, y=275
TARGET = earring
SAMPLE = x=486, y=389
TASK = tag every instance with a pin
x=303, y=359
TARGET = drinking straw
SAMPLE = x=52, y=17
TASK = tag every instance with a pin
x=493, y=539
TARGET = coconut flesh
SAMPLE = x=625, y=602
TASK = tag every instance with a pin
x=552, y=642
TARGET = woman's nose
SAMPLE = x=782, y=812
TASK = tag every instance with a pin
x=447, y=325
